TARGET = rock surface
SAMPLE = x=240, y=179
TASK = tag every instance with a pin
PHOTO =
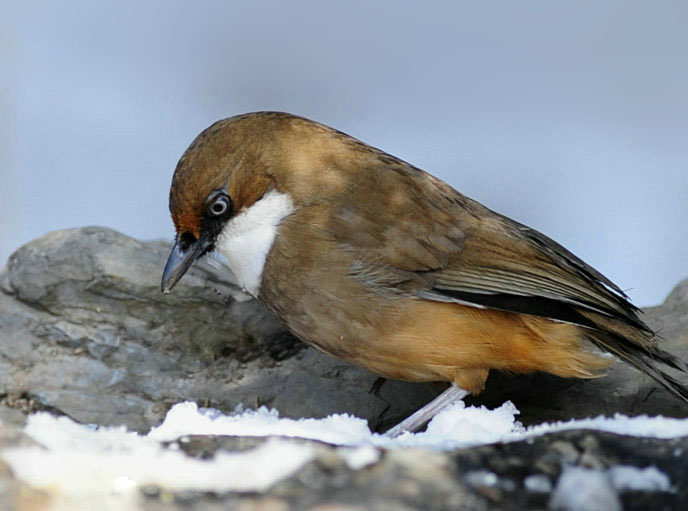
x=86, y=332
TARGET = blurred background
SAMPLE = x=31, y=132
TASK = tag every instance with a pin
x=571, y=116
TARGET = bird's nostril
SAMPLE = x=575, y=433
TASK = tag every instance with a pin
x=186, y=240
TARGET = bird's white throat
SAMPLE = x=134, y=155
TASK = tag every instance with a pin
x=247, y=238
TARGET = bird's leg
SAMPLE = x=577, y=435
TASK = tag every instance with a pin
x=416, y=420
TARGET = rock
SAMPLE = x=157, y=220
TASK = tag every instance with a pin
x=85, y=331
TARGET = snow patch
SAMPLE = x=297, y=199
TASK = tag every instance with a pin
x=627, y=477
x=81, y=460
x=187, y=419
x=582, y=489
x=640, y=426
x=457, y=426
x=360, y=457
x=538, y=483
x=84, y=460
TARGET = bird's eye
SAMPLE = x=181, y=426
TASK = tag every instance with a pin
x=219, y=206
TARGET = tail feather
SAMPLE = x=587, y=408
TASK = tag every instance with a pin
x=638, y=347
x=672, y=360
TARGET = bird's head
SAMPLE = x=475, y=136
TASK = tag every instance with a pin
x=266, y=163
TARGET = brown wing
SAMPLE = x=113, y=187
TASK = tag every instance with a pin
x=509, y=266
x=405, y=223
x=464, y=252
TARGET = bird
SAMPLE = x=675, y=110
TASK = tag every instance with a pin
x=379, y=263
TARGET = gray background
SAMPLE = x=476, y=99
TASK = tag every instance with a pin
x=571, y=117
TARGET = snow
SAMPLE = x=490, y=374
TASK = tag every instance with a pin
x=360, y=457
x=587, y=489
x=538, y=483
x=640, y=426
x=482, y=478
x=76, y=459
x=187, y=419
x=582, y=489
x=83, y=460
x=457, y=426
x=626, y=477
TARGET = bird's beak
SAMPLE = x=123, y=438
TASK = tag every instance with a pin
x=181, y=258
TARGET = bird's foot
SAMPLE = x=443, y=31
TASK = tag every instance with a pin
x=415, y=421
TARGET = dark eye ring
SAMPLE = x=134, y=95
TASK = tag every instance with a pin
x=219, y=206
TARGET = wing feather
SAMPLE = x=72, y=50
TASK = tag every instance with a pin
x=465, y=252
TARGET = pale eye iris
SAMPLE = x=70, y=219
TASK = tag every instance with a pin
x=219, y=207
